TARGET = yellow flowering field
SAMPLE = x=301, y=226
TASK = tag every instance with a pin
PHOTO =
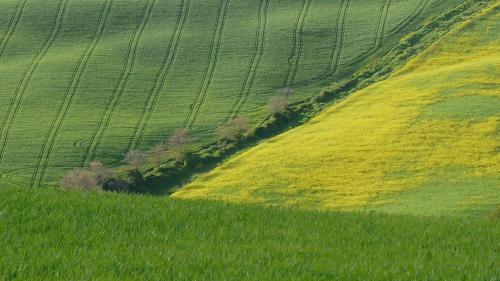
x=425, y=140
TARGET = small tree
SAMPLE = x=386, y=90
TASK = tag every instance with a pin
x=240, y=125
x=287, y=92
x=157, y=154
x=135, y=159
x=233, y=130
x=80, y=179
x=179, y=145
x=102, y=173
x=225, y=133
x=277, y=105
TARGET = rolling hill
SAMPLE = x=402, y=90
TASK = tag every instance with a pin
x=424, y=141
x=86, y=80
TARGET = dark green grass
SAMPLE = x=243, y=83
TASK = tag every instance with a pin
x=54, y=235
x=116, y=75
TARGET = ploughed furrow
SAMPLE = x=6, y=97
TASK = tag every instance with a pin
x=293, y=60
x=418, y=10
x=160, y=78
x=122, y=82
x=214, y=50
x=48, y=143
x=256, y=59
x=25, y=81
x=14, y=21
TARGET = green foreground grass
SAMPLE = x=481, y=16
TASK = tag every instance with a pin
x=56, y=235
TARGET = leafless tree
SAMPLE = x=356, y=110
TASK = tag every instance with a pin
x=157, y=154
x=277, y=105
x=101, y=172
x=240, y=125
x=135, y=159
x=80, y=179
x=287, y=92
x=233, y=129
x=179, y=145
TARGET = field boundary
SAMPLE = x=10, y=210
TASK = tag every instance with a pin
x=168, y=177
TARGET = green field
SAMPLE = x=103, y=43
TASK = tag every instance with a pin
x=59, y=235
x=397, y=178
x=85, y=80
x=423, y=141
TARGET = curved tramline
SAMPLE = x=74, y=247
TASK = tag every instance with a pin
x=14, y=21
x=254, y=66
x=422, y=4
x=123, y=75
x=43, y=159
x=293, y=60
x=122, y=82
x=160, y=78
x=379, y=35
x=378, y=39
x=24, y=83
x=212, y=61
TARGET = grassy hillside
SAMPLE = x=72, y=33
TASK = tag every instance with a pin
x=424, y=141
x=83, y=236
x=84, y=80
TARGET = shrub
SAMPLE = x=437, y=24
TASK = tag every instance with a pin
x=157, y=154
x=102, y=173
x=135, y=159
x=279, y=103
x=179, y=145
x=233, y=129
x=80, y=179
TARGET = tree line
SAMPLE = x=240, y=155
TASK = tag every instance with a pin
x=129, y=177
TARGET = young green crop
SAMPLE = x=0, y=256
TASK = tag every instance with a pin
x=54, y=235
x=90, y=80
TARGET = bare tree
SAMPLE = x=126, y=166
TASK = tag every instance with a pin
x=157, y=154
x=287, y=92
x=240, y=125
x=233, y=130
x=135, y=159
x=179, y=145
x=277, y=105
x=80, y=179
x=101, y=172
x=225, y=133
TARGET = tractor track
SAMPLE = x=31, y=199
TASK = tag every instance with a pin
x=170, y=56
x=255, y=63
x=28, y=75
x=105, y=119
x=294, y=58
x=214, y=50
x=14, y=21
x=48, y=143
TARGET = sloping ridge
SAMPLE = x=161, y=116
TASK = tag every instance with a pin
x=424, y=140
